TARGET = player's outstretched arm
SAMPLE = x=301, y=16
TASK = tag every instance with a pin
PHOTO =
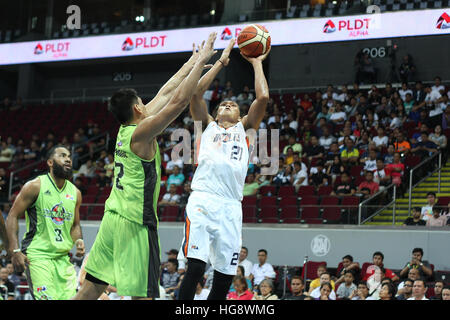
x=152, y=126
x=25, y=199
x=258, y=107
x=198, y=107
x=3, y=236
x=75, y=231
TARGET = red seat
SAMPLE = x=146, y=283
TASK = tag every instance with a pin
x=364, y=268
x=338, y=270
x=249, y=214
x=102, y=199
x=355, y=171
x=332, y=214
x=84, y=212
x=286, y=191
x=268, y=201
x=311, y=269
x=443, y=201
x=249, y=201
x=329, y=201
x=93, y=190
x=180, y=190
x=310, y=213
x=89, y=199
x=288, y=201
x=325, y=191
x=268, y=191
x=268, y=214
x=169, y=213
x=306, y=191
x=289, y=215
x=350, y=202
x=309, y=201
x=106, y=190
x=359, y=180
x=411, y=161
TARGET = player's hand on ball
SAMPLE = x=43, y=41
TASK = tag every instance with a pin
x=259, y=58
x=225, y=57
x=19, y=261
x=80, y=248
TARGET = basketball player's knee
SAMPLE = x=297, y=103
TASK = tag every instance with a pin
x=196, y=267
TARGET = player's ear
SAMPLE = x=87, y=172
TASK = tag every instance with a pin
x=138, y=109
x=50, y=162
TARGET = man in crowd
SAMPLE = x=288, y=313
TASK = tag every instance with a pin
x=415, y=220
x=243, y=261
x=416, y=262
x=419, y=290
x=297, y=287
x=262, y=270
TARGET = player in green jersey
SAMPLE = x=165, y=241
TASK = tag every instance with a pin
x=51, y=204
x=126, y=251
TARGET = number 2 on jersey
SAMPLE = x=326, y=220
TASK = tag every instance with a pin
x=236, y=153
x=119, y=175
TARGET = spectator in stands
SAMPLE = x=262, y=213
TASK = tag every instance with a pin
x=251, y=186
x=172, y=163
x=389, y=156
x=262, y=270
x=170, y=278
x=413, y=274
x=297, y=288
x=171, y=254
x=241, y=273
x=325, y=277
x=289, y=157
x=369, y=187
x=337, y=114
x=407, y=69
x=350, y=154
x=347, y=287
x=13, y=276
x=102, y=179
x=316, y=282
x=4, y=282
x=314, y=150
x=406, y=291
x=438, y=138
x=201, y=293
x=267, y=288
x=335, y=168
x=401, y=145
x=244, y=262
x=300, y=176
x=362, y=293
x=345, y=187
x=416, y=262
x=325, y=292
x=438, y=287
x=404, y=90
x=326, y=139
x=380, y=176
x=6, y=152
x=446, y=293
x=176, y=178
x=381, y=140
x=436, y=220
x=241, y=291
x=284, y=176
x=323, y=114
x=171, y=198
x=415, y=220
x=186, y=192
x=425, y=148
x=396, y=169
x=318, y=176
x=347, y=265
x=292, y=143
x=87, y=169
x=395, y=121
x=370, y=163
x=427, y=211
x=419, y=290
x=387, y=292
x=438, y=86
x=377, y=260
x=33, y=153
x=79, y=184
x=80, y=149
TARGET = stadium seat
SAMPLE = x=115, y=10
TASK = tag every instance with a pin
x=309, y=201
x=169, y=213
x=364, y=268
x=355, y=171
x=249, y=201
x=268, y=191
x=288, y=201
x=311, y=269
x=268, y=201
x=324, y=190
x=249, y=214
x=331, y=215
x=102, y=198
x=106, y=190
x=289, y=214
x=411, y=161
x=310, y=213
x=93, y=190
x=89, y=199
x=306, y=191
x=84, y=210
x=268, y=214
x=286, y=191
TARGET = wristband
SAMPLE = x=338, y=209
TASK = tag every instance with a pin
x=16, y=250
x=221, y=62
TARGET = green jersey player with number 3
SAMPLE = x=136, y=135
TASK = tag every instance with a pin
x=51, y=203
x=126, y=251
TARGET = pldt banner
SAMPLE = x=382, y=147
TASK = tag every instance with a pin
x=285, y=32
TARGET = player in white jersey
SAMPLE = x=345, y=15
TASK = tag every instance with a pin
x=213, y=227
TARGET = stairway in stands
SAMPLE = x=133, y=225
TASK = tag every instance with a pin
x=419, y=196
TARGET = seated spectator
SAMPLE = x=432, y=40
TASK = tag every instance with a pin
x=300, y=176
x=335, y=168
x=244, y=262
x=375, y=282
x=289, y=157
x=186, y=193
x=241, y=291
x=292, y=143
x=4, y=282
x=201, y=293
x=436, y=220
x=332, y=153
x=347, y=287
x=267, y=288
x=380, y=176
x=326, y=139
x=348, y=265
x=415, y=220
x=350, y=154
x=396, y=169
x=14, y=276
x=87, y=169
x=387, y=292
x=169, y=279
x=425, y=148
x=325, y=292
x=316, y=282
x=251, y=186
x=370, y=163
x=381, y=140
x=368, y=187
x=427, y=211
x=262, y=270
x=419, y=290
x=6, y=152
x=401, y=145
x=102, y=179
x=314, y=150
x=438, y=138
x=406, y=292
x=317, y=292
x=346, y=132
x=171, y=198
x=446, y=293
x=241, y=272
x=362, y=293
x=284, y=176
x=377, y=259
x=413, y=274
x=297, y=287
x=416, y=262
x=79, y=184
x=389, y=156
x=395, y=122
x=438, y=287
x=176, y=178
x=345, y=187
x=318, y=175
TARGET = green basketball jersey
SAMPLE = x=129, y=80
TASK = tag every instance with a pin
x=49, y=220
x=135, y=192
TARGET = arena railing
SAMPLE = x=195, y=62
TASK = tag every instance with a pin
x=5, y=288
x=372, y=206
x=12, y=186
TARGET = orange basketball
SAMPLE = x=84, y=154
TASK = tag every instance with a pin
x=254, y=40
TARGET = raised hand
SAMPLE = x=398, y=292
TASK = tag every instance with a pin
x=207, y=51
x=224, y=58
x=257, y=59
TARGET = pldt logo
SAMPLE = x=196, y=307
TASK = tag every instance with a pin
x=329, y=27
x=127, y=45
x=443, y=21
x=226, y=34
x=38, y=49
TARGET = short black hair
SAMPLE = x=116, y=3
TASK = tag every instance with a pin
x=174, y=261
x=121, y=104
x=418, y=250
x=52, y=151
x=262, y=250
x=421, y=280
x=349, y=257
x=431, y=193
x=410, y=280
x=378, y=253
x=417, y=209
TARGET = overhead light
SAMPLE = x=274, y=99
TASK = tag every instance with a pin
x=212, y=12
x=140, y=18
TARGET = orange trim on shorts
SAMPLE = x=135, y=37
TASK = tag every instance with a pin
x=186, y=237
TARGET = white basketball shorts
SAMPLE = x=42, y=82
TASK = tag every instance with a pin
x=213, y=231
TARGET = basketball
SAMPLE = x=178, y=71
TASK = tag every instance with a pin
x=254, y=40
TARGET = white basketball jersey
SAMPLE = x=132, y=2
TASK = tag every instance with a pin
x=222, y=161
